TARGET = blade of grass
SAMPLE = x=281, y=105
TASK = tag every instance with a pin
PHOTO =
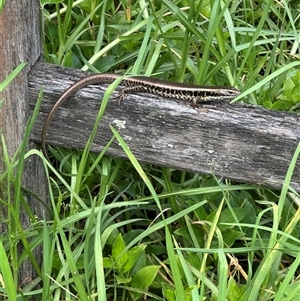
x=105, y=49
x=267, y=80
x=187, y=272
x=85, y=154
x=180, y=294
x=266, y=266
x=11, y=76
x=288, y=279
x=101, y=285
x=9, y=283
x=259, y=27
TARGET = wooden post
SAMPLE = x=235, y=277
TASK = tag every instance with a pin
x=20, y=42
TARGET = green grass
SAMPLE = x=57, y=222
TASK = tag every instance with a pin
x=120, y=230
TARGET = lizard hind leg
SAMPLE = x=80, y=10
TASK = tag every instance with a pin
x=129, y=90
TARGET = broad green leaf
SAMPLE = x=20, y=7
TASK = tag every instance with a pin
x=118, y=255
x=169, y=295
x=143, y=278
x=227, y=217
x=233, y=292
x=230, y=236
x=107, y=263
x=168, y=292
x=122, y=280
x=198, y=231
x=133, y=255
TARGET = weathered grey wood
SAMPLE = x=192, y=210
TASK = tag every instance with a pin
x=240, y=142
x=20, y=42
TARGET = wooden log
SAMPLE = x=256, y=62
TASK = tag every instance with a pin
x=235, y=141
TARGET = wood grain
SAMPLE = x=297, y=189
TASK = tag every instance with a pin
x=20, y=42
x=235, y=141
